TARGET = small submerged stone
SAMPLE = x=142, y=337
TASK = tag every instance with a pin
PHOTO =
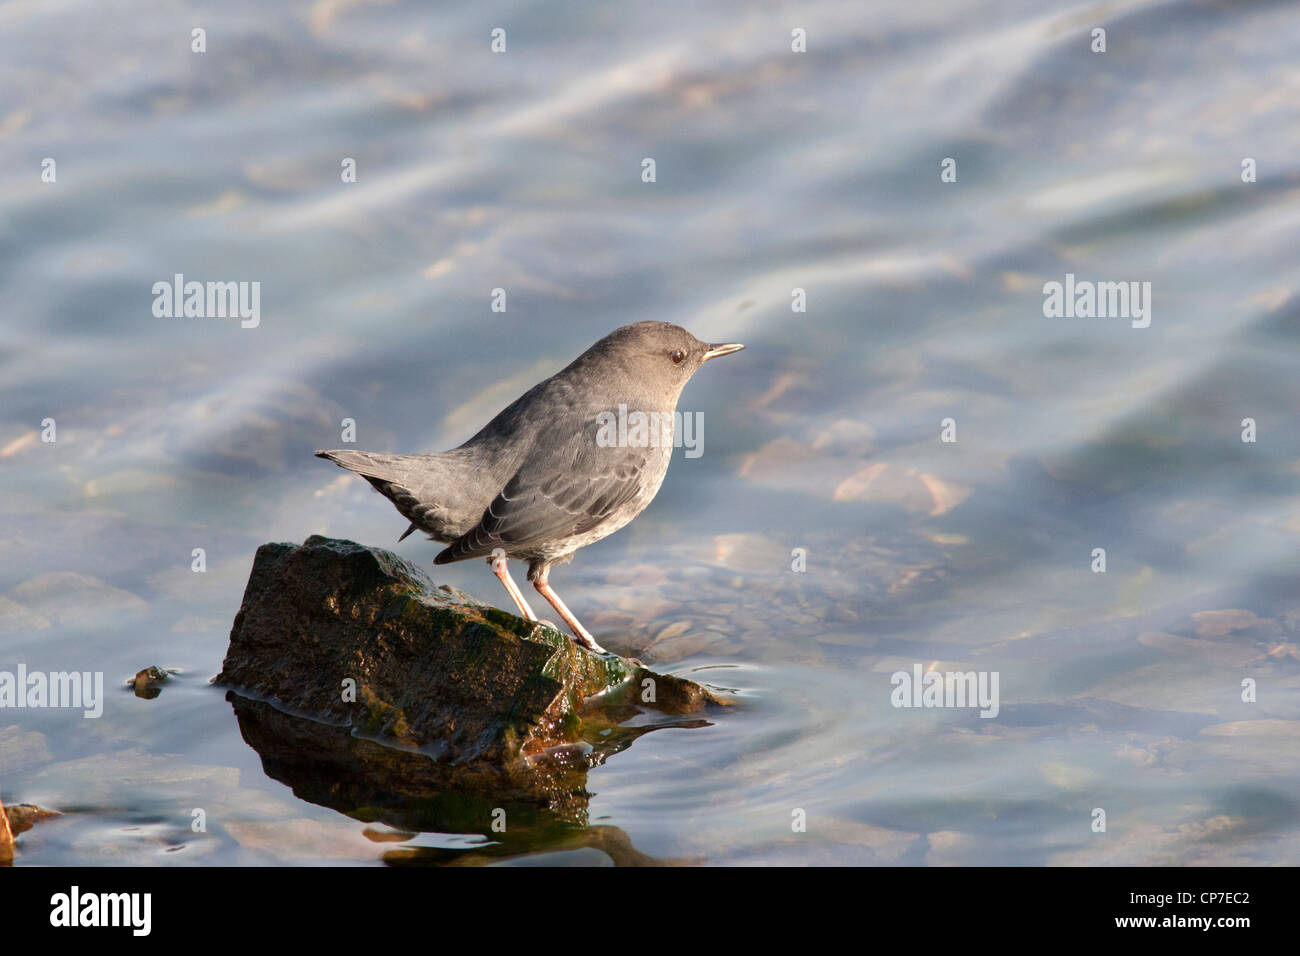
x=6, y=838
x=148, y=682
x=23, y=816
x=15, y=820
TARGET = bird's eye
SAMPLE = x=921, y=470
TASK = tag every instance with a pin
x=677, y=355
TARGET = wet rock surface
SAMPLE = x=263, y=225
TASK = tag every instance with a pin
x=358, y=637
x=6, y=838
x=148, y=682
x=519, y=807
x=15, y=820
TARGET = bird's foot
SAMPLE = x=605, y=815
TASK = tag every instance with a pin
x=581, y=636
x=590, y=644
x=587, y=642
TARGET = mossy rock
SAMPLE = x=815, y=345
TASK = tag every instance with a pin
x=359, y=637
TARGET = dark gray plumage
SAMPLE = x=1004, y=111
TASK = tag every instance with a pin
x=534, y=483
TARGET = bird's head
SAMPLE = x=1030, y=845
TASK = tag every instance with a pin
x=658, y=358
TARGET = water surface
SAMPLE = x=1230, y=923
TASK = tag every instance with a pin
x=775, y=171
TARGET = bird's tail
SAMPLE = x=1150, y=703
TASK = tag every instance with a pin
x=364, y=463
x=422, y=487
x=379, y=470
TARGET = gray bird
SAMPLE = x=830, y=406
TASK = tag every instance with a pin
x=543, y=478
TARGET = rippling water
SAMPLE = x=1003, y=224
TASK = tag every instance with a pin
x=775, y=170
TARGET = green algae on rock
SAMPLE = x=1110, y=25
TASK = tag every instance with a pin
x=359, y=637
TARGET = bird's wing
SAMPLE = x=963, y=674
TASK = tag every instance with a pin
x=561, y=490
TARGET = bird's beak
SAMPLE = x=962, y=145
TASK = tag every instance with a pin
x=716, y=350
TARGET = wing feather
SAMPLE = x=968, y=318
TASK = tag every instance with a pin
x=540, y=506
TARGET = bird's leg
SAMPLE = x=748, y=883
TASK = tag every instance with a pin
x=583, y=635
x=499, y=568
